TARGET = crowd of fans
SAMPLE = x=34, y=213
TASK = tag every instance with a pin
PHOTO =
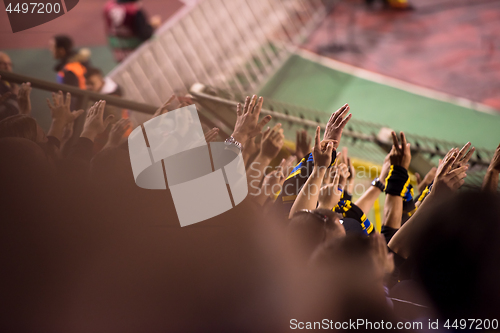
x=82, y=248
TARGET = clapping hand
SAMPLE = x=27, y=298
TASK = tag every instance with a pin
x=447, y=178
x=463, y=156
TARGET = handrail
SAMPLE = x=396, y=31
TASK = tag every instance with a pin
x=74, y=91
x=420, y=144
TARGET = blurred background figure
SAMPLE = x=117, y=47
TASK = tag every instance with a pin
x=72, y=65
x=96, y=82
x=8, y=91
x=127, y=26
x=391, y=4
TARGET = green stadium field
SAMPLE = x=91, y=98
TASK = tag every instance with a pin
x=303, y=81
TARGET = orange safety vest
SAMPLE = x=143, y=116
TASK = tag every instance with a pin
x=79, y=70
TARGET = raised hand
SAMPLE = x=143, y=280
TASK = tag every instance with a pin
x=329, y=195
x=60, y=110
x=247, y=119
x=495, y=161
x=273, y=181
x=400, y=154
x=309, y=193
x=95, y=123
x=322, y=154
x=490, y=182
x=211, y=136
x=423, y=183
x=250, y=150
x=23, y=99
x=117, y=133
x=272, y=141
x=344, y=173
x=448, y=179
x=302, y=144
x=463, y=156
x=164, y=108
x=61, y=114
x=336, y=125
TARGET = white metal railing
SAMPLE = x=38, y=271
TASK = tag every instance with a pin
x=233, y=45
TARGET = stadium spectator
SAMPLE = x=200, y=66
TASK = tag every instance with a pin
x=127, y=26
x=98, y=83
x=69, y=217
x=8, y=91
x=72, y=65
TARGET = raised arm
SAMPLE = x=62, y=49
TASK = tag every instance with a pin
x=61, y=114
x=308, y=195
x=446, y=181
x=397, y=181
x=366, y=201
x=23, y=99
x=272, y=141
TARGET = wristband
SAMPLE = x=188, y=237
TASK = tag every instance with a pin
x=346, y=195
x=397, y=182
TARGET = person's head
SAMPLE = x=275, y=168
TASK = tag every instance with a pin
x=22, y=126
x=457, y=253
x=94, y=79
x=5, y=62
x=309, y=229
x=61, y=46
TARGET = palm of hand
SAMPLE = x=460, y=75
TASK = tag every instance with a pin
x=329, y=196
x=322, y=157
